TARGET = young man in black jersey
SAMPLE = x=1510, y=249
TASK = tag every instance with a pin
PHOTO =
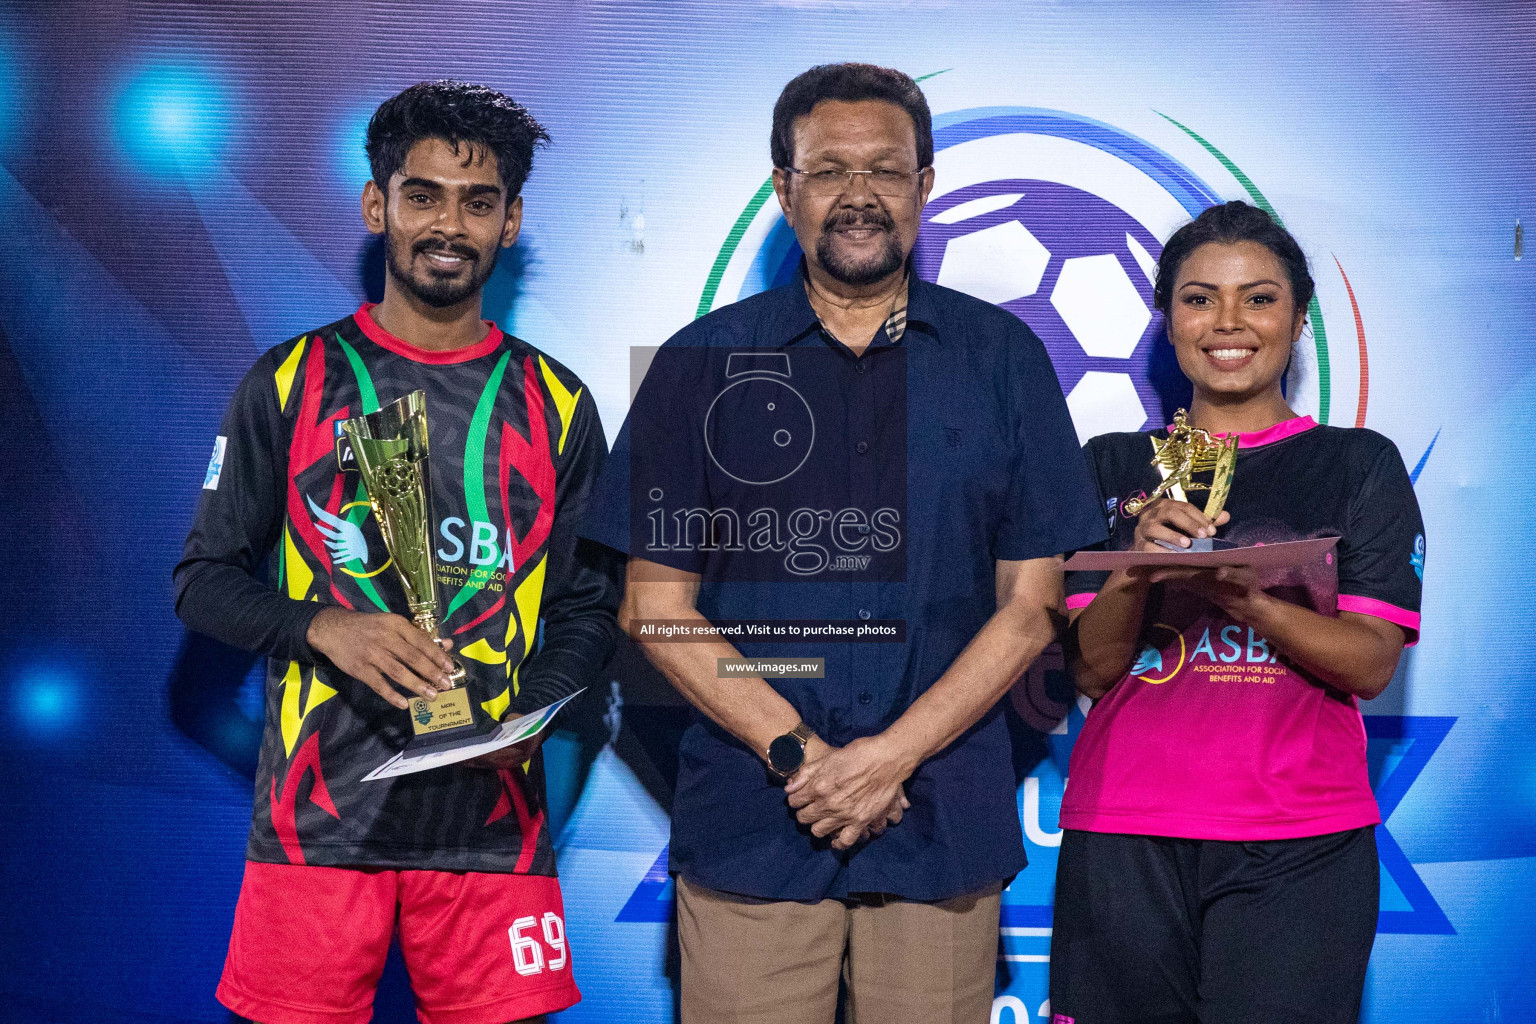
x=459, y=858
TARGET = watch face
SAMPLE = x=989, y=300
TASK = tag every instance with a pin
x=786, y=754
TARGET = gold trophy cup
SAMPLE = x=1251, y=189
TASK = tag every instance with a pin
x=1189, y=450
x=390, y=447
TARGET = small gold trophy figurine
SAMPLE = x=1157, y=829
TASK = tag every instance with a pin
x=391, y=451
x=1187, y=451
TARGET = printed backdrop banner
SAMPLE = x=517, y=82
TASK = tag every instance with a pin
x=179, y=191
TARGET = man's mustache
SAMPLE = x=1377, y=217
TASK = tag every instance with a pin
x=860, y=218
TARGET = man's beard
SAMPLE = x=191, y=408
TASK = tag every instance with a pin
x=858, y=273
x=428, y=286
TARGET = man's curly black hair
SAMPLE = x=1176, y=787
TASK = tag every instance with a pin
x=460, y=114
x=850, y=82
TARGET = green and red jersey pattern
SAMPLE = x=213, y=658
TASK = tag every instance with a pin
x=515, y=444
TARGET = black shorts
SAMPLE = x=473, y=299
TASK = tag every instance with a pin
x=1150, y=930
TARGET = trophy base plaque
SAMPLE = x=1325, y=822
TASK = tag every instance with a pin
x=1195, y=544
x=448, y=722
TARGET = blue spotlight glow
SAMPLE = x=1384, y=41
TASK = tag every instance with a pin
x=48, y=697
x=10, y=90
x=173, y=119
x=348, y=158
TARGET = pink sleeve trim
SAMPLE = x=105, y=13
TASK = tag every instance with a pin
x=1075, y=601
x=1391, y=612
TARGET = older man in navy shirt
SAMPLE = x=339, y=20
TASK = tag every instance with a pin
x=872, y=478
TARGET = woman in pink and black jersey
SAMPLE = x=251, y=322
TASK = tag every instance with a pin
x=1219, y=856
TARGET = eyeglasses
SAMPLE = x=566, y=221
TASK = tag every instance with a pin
x=835, y=183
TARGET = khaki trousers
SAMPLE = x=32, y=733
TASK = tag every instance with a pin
x=747, y=961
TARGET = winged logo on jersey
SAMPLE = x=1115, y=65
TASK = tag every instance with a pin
x=344, y=539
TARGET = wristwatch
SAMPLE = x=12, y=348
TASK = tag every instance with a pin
x=787, y=753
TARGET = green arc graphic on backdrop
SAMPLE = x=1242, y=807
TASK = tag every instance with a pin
x=1314, y=308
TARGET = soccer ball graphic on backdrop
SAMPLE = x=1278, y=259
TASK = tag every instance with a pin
x=1056, y=218
x=1075, y=268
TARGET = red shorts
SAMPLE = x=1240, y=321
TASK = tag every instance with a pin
x=309, y=945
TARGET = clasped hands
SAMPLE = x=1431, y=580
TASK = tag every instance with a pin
x=851, y=793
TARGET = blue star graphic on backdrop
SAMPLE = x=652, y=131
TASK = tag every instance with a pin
x=652, y=898
x=1413, y=740
x=1399, y=749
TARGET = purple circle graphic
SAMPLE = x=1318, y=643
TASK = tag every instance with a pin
x=1059, y=224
